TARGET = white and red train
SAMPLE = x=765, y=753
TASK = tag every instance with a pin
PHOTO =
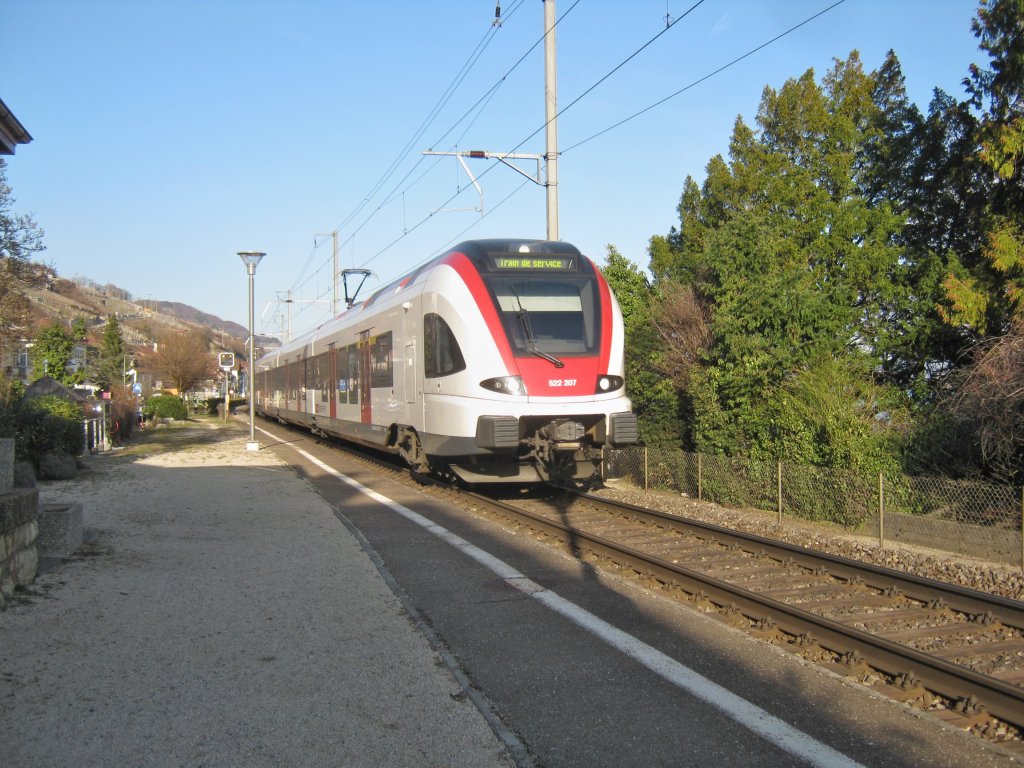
x=499, y=361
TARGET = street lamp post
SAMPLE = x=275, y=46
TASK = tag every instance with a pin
x=251, y=259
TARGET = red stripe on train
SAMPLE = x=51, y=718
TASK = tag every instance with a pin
x=542, y=379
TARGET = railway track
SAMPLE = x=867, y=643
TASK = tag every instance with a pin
x=947, y=649
x=941, y=647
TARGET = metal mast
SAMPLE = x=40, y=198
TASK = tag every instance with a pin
x=550, y=129
x=334, y=271
x=550, y=115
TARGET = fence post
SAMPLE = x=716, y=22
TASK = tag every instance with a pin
x=778, y=473
x=645, y=469
x=1022, y=528
x=602, y=464
x=881, y=511
x=700, y=483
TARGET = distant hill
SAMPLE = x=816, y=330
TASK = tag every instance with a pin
x=195, y=316
x=142, y=322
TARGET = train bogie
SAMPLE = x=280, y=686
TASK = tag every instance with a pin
x=500, y=361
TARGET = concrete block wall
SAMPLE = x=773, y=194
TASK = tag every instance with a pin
x=60, y=529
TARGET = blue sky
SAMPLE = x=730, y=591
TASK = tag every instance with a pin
x=170, y=134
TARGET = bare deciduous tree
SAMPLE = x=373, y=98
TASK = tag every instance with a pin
x=184, y=359
x=989, y=397
x=20, y=240
x=684, y=323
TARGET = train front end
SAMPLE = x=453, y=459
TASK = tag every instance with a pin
x=544, y=387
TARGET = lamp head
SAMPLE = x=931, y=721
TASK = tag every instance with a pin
x=251, y=259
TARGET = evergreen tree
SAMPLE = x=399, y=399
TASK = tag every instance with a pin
x=797, y=265
x=989, y=291
x=110, y=368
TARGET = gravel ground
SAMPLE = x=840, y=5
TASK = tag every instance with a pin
x=994, y=578
x=220, y=614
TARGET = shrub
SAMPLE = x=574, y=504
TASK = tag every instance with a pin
x=165, y=407
x=122, y=421
x=45, y=424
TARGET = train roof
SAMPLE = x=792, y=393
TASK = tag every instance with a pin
x=488, y=255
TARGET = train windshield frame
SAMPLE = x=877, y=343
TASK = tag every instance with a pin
x=551, y=315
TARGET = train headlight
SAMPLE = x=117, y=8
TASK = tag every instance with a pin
x=609, y=383
x=505, y=385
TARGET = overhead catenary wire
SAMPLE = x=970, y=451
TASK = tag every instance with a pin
x=321, y=297
x=543, y=125
x=446, y=95
x=708, y=76
x=477, y=107
x=409, y=230
x=670, y=23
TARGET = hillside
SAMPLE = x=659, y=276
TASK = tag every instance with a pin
x=142, y=322
x=193, y=316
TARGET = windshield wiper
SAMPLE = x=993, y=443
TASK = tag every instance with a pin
x=531, y=343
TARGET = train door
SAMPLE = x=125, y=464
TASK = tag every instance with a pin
x=366, y=405
x=292, y=396
x=410, y=382
x=332, y=365
x=352, y=373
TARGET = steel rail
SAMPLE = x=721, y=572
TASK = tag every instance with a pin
x=962, y=599
x=1002, y=700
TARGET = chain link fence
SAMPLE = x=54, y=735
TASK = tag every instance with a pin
x=964, y=517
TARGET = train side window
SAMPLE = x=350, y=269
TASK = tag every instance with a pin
x=442, y=355
x=382, y=370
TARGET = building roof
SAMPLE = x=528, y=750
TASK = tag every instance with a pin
x=12, y=132
x=50, y=386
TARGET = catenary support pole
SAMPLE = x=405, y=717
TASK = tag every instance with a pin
x=550, y=118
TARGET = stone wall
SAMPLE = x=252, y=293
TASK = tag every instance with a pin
x=18, y=532
x=18, y=527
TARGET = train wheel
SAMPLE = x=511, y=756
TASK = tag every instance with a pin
x=571, y=470
x=561, y=469
x=410, y=449
x=441, y=470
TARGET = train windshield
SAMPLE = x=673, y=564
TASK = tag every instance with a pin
x=552, y=317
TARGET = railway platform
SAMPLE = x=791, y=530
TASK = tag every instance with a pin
x=219, y=613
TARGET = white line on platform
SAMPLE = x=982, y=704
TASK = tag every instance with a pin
x=750, y=716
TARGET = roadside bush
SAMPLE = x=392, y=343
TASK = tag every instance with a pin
x=11, y=391
x=122, y=421
x=8, y=413
x=45, y=424
x=165, y=407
